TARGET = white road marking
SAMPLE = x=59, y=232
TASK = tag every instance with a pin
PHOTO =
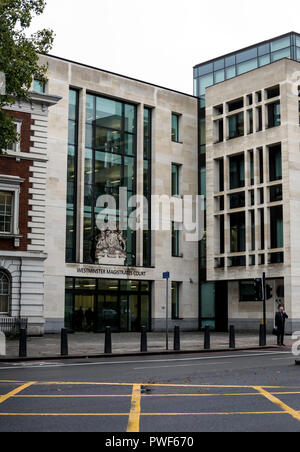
x=150, y=361
x=183, y=365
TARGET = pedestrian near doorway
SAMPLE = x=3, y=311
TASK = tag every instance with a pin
x=280, y=319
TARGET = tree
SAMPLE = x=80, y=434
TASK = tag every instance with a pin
x=19, y=58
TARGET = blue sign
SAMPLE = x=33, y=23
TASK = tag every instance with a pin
x=166, y=275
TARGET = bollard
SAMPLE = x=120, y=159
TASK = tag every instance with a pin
x=232, y=337
x=64, y=350
x=23, y=343
x=144, y=339
x=262, y=336
x=207, y=338
x=177, y=338
x=107, y=347
x=2, y=344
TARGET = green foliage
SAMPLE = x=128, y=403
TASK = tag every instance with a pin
x=19, y=57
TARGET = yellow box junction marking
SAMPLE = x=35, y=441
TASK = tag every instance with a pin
x=282, y=405
x=15, y=391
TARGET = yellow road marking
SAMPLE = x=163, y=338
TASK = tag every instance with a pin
x=64, y=414
x=135, y=411
x=84, y=383
x=276, y=401
x=15, y=391
x=71, y=396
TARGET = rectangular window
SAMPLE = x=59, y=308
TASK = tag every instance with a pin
x=276, y=227
x=236, y=126
x=237, y=171
x=176, y=300
x=219, y=130
x=275, y=163
x=39, y=86
x=72, y=176
x=259, y=119
x=175, y=240
x=175, y=128
x=273, y=92
x=6, y=212
x=147, y=237
x=175, y=180
x=274, y=115
x=235, y=104
x=237, y=200
x=276, y=193
x=15, y=147
x=250, y=121
x=237, y=232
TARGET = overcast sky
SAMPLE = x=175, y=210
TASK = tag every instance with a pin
x=159, y=41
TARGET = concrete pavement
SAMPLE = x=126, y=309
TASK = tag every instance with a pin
x=89, y=344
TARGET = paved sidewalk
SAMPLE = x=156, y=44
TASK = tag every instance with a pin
x=87, y=344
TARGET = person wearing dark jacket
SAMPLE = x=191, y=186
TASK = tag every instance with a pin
x=280, y=319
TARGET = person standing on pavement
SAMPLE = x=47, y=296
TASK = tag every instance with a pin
x=280, y=319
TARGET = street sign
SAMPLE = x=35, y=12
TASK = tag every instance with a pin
x=166, y=275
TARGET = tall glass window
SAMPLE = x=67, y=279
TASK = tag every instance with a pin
x=5, y=289
x=175, y=300
x=72, y=176
x=175, y=127
x=147, y=185
x=6, y=212
x=175, y=179
x=237, y=171
x=175, y=240
x=236, y=125
x=110, y=164
x=276, y=225
x=275, y=163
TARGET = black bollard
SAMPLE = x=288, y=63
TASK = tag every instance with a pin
x=232, y=337
x=64, y=350
x=207, y=338
x=177, y=338
x=23, y=343
x=262, y=336
x=144, y=339
x=108, y=348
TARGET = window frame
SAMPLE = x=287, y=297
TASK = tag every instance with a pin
x=177, y=134
x=16, y=147
x=8, y=276
x=12, y=184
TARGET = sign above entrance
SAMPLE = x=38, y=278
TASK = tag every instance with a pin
x=129, y=272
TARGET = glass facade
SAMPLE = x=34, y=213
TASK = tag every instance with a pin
x=94, y=304
x=110, y=164
x=240, y=62
x=208, y=74
x=72, y=176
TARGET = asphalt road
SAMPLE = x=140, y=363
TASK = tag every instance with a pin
x=236, y=391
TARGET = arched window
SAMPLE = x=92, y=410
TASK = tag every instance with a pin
x=4, y=292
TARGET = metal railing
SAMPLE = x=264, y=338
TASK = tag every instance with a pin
x=12, y=325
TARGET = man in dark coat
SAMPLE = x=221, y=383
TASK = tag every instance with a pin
x=280, y=318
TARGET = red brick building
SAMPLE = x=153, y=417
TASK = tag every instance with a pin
x=23, y=180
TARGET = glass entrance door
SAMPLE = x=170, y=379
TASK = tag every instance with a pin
x=107, y=312
x=129, y=313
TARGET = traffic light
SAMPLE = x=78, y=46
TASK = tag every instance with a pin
x=258, y=289
x=269, y=292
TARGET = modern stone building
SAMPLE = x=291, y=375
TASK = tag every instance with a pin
x=107, y=132
x=249, y=116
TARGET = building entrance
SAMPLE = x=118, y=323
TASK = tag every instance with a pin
x=92, y=305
